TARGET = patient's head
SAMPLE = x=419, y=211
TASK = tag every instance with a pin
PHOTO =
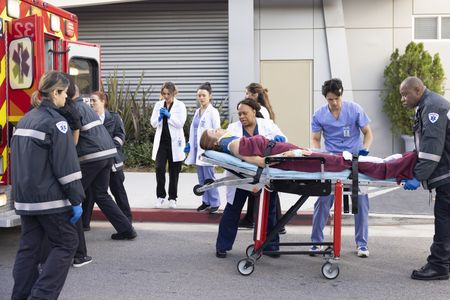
x=210, y=139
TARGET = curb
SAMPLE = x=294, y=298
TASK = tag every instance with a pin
x=187, y=216
x=304, y=219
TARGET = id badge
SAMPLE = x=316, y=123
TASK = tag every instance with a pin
x=346, y=131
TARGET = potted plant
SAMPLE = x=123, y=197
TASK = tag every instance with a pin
x=416, y=61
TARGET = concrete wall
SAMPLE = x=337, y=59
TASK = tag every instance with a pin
x=291, y=29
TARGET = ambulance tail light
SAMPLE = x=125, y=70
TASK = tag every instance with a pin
x=13, y=8
x=69, y=28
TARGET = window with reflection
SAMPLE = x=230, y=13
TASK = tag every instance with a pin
x=84, y=73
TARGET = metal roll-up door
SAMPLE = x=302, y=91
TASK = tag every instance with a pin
x=181, y=41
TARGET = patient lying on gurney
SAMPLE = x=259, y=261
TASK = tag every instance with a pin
x=251, y=149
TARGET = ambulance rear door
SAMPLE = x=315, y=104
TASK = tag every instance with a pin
x=82, y=62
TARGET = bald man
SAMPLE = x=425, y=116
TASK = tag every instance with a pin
x=432, y=140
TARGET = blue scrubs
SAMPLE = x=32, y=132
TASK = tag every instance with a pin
x=210, y=197
x=341, y=134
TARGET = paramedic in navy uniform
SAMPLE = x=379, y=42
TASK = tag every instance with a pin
x=432, y=139
x=341, y=123
x=96, y=152
x=47, y=191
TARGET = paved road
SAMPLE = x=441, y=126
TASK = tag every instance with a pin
x=176, y=261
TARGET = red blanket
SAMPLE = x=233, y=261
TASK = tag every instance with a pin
x=399, y=169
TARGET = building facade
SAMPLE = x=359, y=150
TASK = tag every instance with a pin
x=290, y=46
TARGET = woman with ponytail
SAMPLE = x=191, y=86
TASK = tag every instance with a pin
x=205, y=117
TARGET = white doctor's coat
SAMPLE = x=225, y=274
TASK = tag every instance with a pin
x=176, y=122
x=210, y=119
x=266, y=128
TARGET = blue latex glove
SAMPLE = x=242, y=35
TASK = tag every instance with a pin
x=279, y=138
x=77, y=210
x=187, y=148
x=163, y=112
x=363, y=152
x=411, y=184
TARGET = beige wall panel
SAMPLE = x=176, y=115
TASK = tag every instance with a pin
x=431, y=7
x=367, y=14
x=286, y=44
x=286, y=14
x=321, y=61
x=402, y=13
x=369, y=51
x=289, y=84
x=318, y=100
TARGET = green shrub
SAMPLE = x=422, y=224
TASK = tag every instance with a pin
x=135, y=109
x=414, y=62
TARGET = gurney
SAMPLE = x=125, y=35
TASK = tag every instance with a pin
x=253, y=178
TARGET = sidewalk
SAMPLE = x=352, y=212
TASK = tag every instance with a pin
x=388, y=206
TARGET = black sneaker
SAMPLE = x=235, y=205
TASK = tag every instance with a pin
x=128, y=235
x=244, y=223
x=202, y=207
x=81, y=261
x=86, y=228
x=282, y=230
x=221, y=253
x=213, y=210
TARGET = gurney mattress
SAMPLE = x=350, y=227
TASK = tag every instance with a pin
x=224, y=158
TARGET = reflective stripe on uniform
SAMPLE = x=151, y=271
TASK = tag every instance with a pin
x=30, y=133
x=98, y=154
x=69, y=178
x=439, y=178
x=430, y=156
x=119, y=140
x=41, y=205
x=91, y=125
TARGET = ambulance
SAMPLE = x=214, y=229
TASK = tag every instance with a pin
x=35, y=37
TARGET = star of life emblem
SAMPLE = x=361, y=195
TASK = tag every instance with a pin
x=62, y=126
x=433, y=117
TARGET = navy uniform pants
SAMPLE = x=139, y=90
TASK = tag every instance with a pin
x=63, y=240
x=120, y=194
x=440, y=249
x=228, y=226
x=96, y=178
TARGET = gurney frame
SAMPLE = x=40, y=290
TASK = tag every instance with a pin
x=248, y=180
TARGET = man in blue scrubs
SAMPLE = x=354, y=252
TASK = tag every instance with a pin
x=341, y=123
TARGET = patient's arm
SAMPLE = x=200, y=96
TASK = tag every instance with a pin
x=255, y=160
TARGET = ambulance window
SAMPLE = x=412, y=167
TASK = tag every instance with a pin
x=48, y=57
x=85, y=73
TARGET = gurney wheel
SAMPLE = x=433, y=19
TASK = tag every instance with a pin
x=196, y=187
x=330, y=271
x=246, y=266
x=251, y=250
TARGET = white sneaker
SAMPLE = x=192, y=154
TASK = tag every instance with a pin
x=172, y=204
x=159, y=202
x=363, y=251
